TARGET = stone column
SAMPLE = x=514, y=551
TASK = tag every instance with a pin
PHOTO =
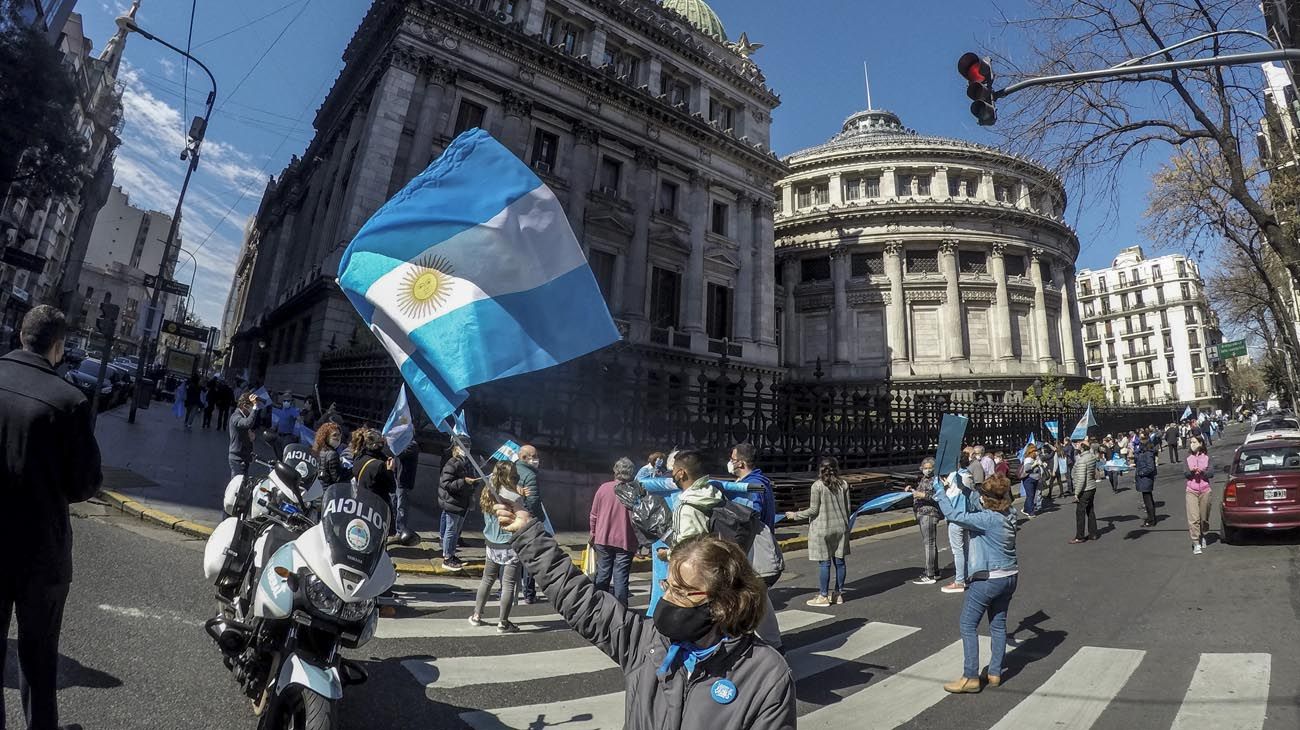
x=702, y=100
x=426, y=125
x=939, y=186
x=647, y=166
x=842, y=318
x=536, y=19
x=887, y=183
x=655, y=75
x=1022, y=195
x=328, y=182
x=787, y=198
x=743, y=312
x=897, y=308
x=694, y=283
x=598, y=36
x=518, y=110
x=377, y=149
x=1070, y=324
x=582, y=175
x=1001, y=321
x=790, y=329
x=329, y=231
x=986, y=187
x=765, y=287
x=835, y=193
x=953, y=347
x=1040, y=309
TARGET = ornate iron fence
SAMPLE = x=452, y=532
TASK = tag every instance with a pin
x=589, y=412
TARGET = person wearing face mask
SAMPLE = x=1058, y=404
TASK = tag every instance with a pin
x=957, y=487
x=1144, y=478
x=49, y=458
x=743, y=466
x=993, y=576
x=1000, y=465
x=655, y=466
x=456, y=486
x=326, y=450
x=697, y=664
x=927, y=517
x=1199, y=472
x=828, y=531
x=529, y=464
x=242, y=430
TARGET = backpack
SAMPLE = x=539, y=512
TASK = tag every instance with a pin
x=736, y=522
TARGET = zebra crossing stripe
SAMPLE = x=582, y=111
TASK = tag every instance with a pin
x=793, y=619
x=465, y=671
x=606, y=711
x=1228, y=692
x=899, y=697
x=1077, y=693
x=424, y=628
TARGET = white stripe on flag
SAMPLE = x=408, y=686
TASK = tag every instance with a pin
x=527, y=231
x=1077, y=693
x=1228, y=692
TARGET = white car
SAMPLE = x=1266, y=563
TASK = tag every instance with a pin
x=1274, y=428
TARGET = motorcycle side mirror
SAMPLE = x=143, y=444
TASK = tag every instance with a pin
x=290, y=578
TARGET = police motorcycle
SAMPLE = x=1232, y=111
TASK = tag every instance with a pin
x=293, y=591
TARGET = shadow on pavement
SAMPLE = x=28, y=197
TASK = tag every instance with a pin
x=866, y=587
x=1040, y=645
x=391, y=698
x=72, y=673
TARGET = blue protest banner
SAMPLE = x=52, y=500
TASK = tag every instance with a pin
x=951, y=432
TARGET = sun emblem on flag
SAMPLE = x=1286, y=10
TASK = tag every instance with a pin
x=425, y=287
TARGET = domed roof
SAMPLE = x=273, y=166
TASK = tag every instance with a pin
x=700, y=15
x=873, y=123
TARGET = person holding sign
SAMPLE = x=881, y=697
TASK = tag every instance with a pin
x=992, y=578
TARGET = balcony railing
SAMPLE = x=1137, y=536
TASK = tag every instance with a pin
x=670, y=337
x=725, y=346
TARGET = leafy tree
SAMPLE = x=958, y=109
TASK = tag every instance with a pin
x=1247, y=383
x=40, y=147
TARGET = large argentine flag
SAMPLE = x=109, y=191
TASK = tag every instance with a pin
x=1085, y=423
x=471, y=273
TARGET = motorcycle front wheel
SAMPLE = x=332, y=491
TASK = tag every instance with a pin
x=300, y=709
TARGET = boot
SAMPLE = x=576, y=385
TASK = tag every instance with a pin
x=965, y=685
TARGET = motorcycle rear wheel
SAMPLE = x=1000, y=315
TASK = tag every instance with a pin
x=300, y=709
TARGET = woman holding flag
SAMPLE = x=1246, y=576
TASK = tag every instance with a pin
x=828, y=531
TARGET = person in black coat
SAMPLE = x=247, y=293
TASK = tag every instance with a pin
x=408, y=462
x=456, y=487
x=1144, y=478
x=48, y=459
x=374, y=468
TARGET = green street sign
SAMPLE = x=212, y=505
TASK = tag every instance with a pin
x=1236, y=348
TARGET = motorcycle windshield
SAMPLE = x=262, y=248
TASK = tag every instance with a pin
x=355, y=522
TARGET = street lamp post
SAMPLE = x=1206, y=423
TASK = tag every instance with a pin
x=191, y=152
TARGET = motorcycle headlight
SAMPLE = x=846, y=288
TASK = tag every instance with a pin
x=322, y=598
x=356, y=611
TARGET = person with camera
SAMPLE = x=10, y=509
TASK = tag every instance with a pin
x=697, y=665
x=242, y=429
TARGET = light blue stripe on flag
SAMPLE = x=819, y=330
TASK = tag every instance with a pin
x=471, y=274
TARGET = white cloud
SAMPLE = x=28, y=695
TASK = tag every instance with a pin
x=168, y=67
x=149, y=169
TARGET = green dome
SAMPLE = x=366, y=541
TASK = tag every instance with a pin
x=700, y=15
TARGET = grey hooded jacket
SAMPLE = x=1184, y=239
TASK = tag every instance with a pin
x=765, y=693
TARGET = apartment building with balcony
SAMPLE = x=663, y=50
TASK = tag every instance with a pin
x=1149, y=334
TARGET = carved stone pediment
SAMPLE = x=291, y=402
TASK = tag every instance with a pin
x=611, y=219
x=669, y=237
x=727, y=256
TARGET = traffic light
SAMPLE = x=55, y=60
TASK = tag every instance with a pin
x=979, y=87
x=106, y=324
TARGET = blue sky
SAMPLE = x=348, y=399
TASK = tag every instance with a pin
x=274, y=71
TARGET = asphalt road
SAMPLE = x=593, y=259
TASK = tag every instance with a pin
x=1109, y=635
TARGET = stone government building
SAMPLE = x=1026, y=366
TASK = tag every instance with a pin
x=648, y=123
x=926, y=261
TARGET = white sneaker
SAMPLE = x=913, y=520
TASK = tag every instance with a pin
x=924, y=580
x=1203, y=546
x=1196, y=548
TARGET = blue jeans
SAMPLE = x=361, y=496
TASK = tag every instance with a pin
x=449, y=528
x=237, y=467
x=1030, y=489
x=402, y=497
x=824, y=575
x=613, y=567
x=957, y=541
x=992, y=597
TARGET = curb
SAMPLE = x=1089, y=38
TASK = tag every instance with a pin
x=133, y=508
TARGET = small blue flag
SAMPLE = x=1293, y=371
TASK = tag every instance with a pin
x=509, y=451
x=1085, y=423
x=398, y=429
x=1031, y=440
x=1053, y=428
x=1187, y=413
x=471, y=274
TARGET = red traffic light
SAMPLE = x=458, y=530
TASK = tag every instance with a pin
x=974, y=69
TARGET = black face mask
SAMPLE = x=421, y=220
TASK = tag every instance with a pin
x=680, y=623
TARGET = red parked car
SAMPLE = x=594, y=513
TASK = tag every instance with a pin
x=1263, y=491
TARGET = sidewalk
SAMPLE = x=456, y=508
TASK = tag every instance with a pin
x=168, y=476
